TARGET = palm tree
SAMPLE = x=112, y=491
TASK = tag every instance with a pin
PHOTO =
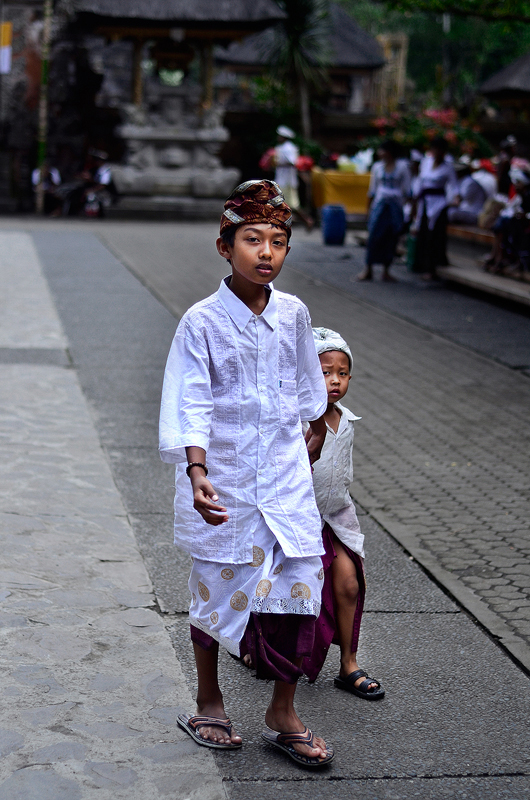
x=300, y=50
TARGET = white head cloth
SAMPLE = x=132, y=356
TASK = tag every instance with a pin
x=327, y=340
x=287, y=133
x=518, y=176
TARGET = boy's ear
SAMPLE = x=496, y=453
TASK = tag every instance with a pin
x=288, y=250
x=223, y=249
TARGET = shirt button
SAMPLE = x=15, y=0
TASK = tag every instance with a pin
x=260, y=471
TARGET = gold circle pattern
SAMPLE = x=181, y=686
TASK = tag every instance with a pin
x=263, y=588
x=239, y=601
x=300, y=591
x=204, y=592
x=258, y=557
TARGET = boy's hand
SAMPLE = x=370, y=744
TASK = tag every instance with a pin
x=204, y=498
x=315, y=438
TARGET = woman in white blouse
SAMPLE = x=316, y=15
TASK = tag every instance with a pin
x=388, y=192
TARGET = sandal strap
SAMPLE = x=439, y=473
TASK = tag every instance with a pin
x=296, y=738
x=354, y=676
x=215, y=722
x=363, y=687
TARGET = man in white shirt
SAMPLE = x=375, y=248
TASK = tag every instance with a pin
x=241, y=375
x=286, y=175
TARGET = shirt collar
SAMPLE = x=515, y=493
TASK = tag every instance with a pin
x=346, y=413
x=240, y=314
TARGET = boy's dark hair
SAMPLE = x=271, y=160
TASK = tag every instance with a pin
x=229, y=236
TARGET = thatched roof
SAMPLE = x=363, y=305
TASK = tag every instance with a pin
x=512, y=80
x=198, y=13
x=349, y=46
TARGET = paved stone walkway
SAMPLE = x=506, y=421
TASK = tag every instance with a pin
x=444, y=459
x=454, y=722
x=443, y=451
x=90, y=684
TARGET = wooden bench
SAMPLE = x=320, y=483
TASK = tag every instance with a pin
x=470, y=233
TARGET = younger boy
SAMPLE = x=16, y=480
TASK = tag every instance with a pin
x=344, y=584
x=241, y=373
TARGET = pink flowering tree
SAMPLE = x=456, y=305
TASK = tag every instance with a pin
x=418, y=129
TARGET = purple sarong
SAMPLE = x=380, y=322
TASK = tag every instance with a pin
x=273, y=642
x=325, y=628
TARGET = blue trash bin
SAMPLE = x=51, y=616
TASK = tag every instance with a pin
x=333, y=221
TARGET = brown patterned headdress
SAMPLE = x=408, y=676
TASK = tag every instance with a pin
x=257, y=201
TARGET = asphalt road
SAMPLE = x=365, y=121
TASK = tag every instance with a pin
x=455, y=719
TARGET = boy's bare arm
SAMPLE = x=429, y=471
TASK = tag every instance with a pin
x=315, y=436
x=204, y=495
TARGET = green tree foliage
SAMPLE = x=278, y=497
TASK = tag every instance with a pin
x=475, y=48
x=491, y=10
x=299, y=52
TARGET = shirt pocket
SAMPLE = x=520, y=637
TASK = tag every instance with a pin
x=289, y=411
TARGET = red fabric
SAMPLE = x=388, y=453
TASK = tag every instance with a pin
x=266, y=161
x=326, y=628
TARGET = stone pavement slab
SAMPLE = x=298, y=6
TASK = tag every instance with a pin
x=443, y=450
x=455, y=717
x=90, y=684
x=446, y=714
x=445, y=437
x=454, y=722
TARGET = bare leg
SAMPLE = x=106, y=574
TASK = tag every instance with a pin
x=495, y=257
x=209, y=697
x=282, y=717
x=345, y=591
x=366, y=274
x=386, y=274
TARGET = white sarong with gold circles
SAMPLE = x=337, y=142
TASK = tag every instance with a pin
x=224, y=595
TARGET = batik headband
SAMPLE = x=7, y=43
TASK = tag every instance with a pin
x=257, y=201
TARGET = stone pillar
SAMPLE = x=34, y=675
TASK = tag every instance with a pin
x=137, y=83
x=207, y=70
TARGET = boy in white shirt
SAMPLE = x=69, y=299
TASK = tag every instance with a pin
x=344, y=583
x=241, y=374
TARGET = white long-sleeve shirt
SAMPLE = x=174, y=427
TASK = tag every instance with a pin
x=332, y=476
x=394, y=184
x=238, y=385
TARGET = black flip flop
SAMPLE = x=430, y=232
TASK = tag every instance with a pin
x=190, y=724
x=348, y=684
x=285, y=741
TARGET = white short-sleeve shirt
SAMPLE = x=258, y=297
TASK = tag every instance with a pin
x=332, y=476
x=238, y=385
